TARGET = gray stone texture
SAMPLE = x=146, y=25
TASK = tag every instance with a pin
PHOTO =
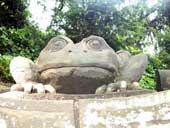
x=24, y=113
x=133, y=110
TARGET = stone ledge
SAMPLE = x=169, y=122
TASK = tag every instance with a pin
x=90, y=111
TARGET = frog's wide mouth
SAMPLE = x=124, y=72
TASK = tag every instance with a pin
x=110, y=68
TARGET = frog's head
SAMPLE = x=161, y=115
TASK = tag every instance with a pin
x=92, y=51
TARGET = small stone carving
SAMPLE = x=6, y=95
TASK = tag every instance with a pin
x=90, y=66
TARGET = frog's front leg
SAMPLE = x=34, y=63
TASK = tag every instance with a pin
x=25, y=74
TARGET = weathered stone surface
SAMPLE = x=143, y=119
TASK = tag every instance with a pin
x=76, y=80
x=144, y=111
x=12, y=95
x=19, y=113
x=56, y=96
x=86, y=111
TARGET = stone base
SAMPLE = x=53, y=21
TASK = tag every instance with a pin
x=91, y=111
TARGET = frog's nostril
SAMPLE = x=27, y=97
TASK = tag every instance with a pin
x=69, y=50
x=85, y=51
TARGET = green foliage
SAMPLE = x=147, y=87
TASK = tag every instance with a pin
x=148, y=79
x=13, y=13
x=4, y=68
x=120, y=27
x=163, y=37
x=160, y=27
x=27, y=41
x=91, y=18
x=165, y=57
x=133, y=50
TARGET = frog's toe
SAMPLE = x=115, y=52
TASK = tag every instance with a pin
x=49, y=88
x=39, y=88
x=112, y=87
x=28, y=87
x=123, y=84
x=116, y=87
x=101, y=89
x=134, y=85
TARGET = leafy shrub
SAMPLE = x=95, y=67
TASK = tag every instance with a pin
x=4, y=68
x=27, y=41
x=148, y=79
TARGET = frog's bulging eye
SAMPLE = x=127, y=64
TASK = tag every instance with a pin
x=59, y=44
x=56, y=44
x=96, y=43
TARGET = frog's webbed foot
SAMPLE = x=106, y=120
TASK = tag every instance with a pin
x=30, y=87
x=112, y=87
x=119, y=86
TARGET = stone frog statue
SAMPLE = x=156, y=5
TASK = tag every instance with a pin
x=90, y=66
